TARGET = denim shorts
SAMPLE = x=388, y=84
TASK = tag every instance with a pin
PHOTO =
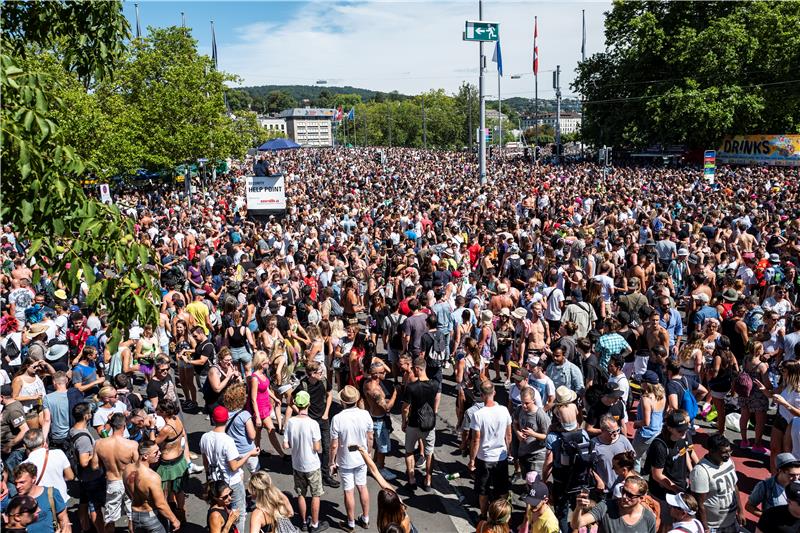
x=381, y=430
x=147, y=522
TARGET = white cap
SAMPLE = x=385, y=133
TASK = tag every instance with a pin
x=676, y=500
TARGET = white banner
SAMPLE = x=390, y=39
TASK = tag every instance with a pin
x=265, y=193
x=105, y=194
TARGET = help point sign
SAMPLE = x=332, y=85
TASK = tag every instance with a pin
x=265, y=193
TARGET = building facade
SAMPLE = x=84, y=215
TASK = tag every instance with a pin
x=273, y=124
x=309, y=126
x=570, y=122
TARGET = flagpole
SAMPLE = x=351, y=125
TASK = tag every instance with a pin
x=500, y=109
x=138, y=25
x=355, y=129
x=583, y=59
x=536, y=84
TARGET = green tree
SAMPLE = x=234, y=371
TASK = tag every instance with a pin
x=68, y=233
x=239, y=99
x=277, y=101
x=692, y=72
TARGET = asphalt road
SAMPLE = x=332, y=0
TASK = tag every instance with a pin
x=451, y=504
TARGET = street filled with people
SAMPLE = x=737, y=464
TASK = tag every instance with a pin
x=611, y=348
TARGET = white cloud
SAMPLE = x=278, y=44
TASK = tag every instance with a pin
x=412, y=46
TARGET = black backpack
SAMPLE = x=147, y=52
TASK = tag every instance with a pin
x=71, y=450
x=514, y=268
x=394, y=334
x=575, y=460
x=437, y=354
x=426, y=418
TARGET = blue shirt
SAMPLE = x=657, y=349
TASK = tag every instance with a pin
x=45, y=522
x=83, y=374
x=704, y=312
x=58, y=405
x=674, y=325
x=444, y=316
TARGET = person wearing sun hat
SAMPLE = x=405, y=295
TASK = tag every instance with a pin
x=303, y=440
x=683, y=512
x=351, y=428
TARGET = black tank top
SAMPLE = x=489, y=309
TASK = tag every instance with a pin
x=237, y=339
x=225, y=514
x=737, y=341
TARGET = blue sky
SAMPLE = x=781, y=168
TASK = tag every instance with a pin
x=406, y=46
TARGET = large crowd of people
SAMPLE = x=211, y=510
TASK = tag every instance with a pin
x=592, y=331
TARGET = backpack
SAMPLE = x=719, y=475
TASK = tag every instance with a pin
x=426, y=418
x=395, y=336
x=472, y=385
x=576, y=459
x=514, y=268
x=71, y=450
x=687, y=400
x=437, y=354
x=210, y=396
x=754, y=319
x=743, y=384
x=10, y=349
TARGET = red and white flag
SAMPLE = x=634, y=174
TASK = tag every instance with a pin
x=535, y=47
x=338, y=115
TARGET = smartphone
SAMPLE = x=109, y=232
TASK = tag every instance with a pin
x=353, y=447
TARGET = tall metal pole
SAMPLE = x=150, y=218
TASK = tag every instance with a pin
x=391, y=121
x=366, y=129
x=424, y=124
x=583, y=60
x=469, y=118
x=500, y=110
x=183, y=20
x=557, y=87
x=535, y=86
x=138, y=24
x=482, y=121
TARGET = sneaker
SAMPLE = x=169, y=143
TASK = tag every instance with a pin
x=195, y=469
x=332, y=483
x=344, y=526
x=745, y=444
x=387, y=474
x=304, y=525
x=760, y=450
x=419, y=460
x=362, y=523
x=322, y=526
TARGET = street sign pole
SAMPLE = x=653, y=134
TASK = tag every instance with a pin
x=482, y=126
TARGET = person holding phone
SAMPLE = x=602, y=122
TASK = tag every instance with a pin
x=626, y=513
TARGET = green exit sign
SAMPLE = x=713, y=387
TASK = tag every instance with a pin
x=480, y=30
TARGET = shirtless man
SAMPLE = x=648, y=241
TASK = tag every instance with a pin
x=745, y=241
x=501, y=299
x=115, y=452
x=20, y=272
x=379, y=403
x=655, y=333
x=538, y=339
x=143, y=486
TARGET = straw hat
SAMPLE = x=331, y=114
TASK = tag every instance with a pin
x=487, y=316
x=565, y=395
x=349, y=395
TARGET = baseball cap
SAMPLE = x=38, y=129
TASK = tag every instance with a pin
x=786, y=459
x=6, y=391
x=537, y=493
x=520, y=374
x=677, y=421
x=612, y=389
x=676, y=500
x=793, y=491
x=302, y=399
x=650, y=377
x=219, y=415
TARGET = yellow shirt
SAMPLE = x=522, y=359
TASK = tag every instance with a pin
x=546, y=523
x=199, y=312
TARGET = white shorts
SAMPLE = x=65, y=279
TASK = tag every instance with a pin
x=352, y=477
x=115, y=499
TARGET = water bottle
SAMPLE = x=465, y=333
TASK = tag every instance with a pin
x=452, y=477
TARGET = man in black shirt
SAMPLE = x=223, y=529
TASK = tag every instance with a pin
x=783, y=518
x=610, y=404
x=318, y=410
x=202, y=358
x=419, y=403
x=666, y=460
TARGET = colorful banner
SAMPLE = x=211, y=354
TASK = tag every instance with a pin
x=709, y=165
x=778, y=150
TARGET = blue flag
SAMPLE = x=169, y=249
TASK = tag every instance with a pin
x=352, y=114
x=498, y=58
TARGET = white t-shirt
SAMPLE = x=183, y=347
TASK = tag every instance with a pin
x=301, y=434
x=350, y=427
x=718, y=483
x=53, y=476
x=554, y=298
x=607, y=284
x=794, y=431
x=219, y=450
x=492, y=423
x=692, y=526
x=102, y=414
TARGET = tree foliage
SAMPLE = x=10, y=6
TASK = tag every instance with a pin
x=692, y=72
x=69, y=234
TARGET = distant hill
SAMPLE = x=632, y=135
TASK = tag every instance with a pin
x=313, y=92
x=258, y=98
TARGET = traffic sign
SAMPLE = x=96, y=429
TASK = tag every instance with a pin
x=480, y=30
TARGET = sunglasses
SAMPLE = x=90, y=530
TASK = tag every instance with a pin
x=226, y=496
x=625, y=493
x=163, y=369
x=613, y=431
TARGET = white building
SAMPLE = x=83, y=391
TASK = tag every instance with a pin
x=273, y=123
x=309, y=126
x=494, y=114
x=570, y=122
